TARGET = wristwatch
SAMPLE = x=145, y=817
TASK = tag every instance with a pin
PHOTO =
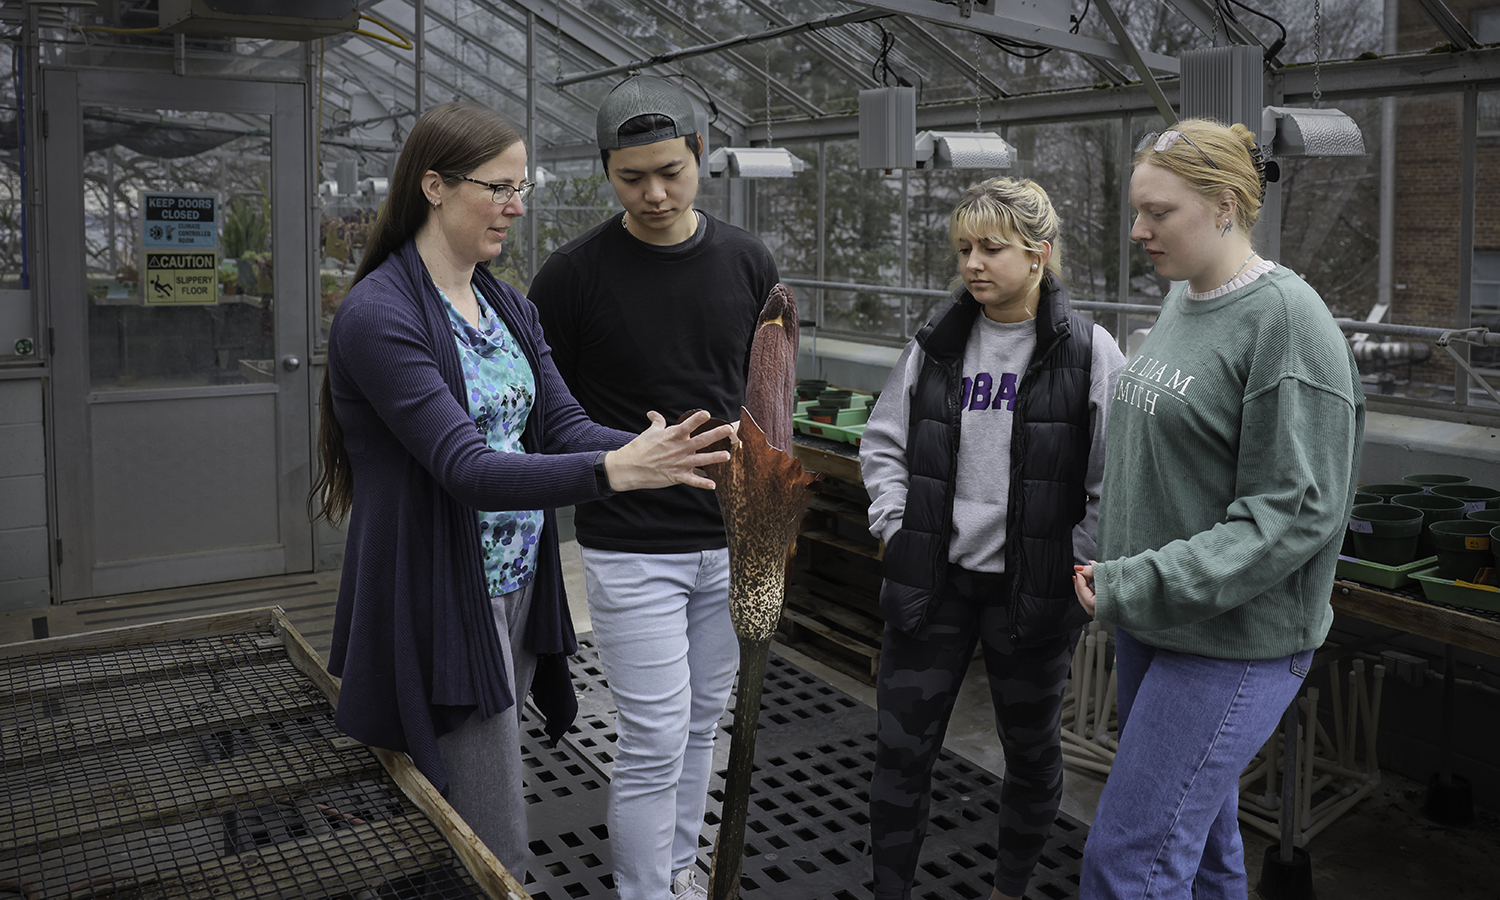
x=601, y=476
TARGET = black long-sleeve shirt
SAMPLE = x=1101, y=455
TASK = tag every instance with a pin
x=636, y=327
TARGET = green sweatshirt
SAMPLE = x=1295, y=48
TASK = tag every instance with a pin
x=1233, y=449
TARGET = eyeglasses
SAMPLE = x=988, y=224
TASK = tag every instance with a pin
x=1166, y=140
x=501, y=193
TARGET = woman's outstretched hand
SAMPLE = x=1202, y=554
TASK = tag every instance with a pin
x=665, y=455
x=1083, y=586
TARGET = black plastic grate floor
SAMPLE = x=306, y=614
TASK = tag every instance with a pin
x=196, y=768
x=807, y=834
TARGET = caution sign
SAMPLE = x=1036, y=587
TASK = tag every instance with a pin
x=181, y=221
x=180, y=278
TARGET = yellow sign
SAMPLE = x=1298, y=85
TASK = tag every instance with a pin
x=181, y=278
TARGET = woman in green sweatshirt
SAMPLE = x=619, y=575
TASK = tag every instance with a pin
x=1233, y=448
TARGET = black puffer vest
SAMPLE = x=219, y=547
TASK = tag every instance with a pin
x=1049, y=456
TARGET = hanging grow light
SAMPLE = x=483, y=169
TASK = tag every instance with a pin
x=754, y=162
x=963, y=150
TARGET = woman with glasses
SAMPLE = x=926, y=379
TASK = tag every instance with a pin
x=1234, y=443
x=448, y=438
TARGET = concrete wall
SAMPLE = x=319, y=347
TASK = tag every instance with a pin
x=25, y=569
x=1403, y=445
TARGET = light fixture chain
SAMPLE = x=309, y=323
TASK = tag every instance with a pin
x=978, y=86
x=767, y=47
x=1317, y=54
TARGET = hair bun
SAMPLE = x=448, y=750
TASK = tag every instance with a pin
x=1246, y=136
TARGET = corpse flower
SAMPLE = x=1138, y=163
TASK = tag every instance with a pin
x=762, y=491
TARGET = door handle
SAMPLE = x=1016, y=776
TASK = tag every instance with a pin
x=290, y=363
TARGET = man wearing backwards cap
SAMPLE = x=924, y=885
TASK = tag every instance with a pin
x=655, y=310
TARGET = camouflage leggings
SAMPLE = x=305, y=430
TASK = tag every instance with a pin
x=920, y=675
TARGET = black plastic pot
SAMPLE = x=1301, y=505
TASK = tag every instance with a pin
x=1434, y=509
x=810, y=388
x=1462, y=547
x=1471, y=494
x=1428, y=482
x=1385, y=533
x=1386, y=491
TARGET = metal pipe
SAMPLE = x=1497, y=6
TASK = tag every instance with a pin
x=1466, y=202
x=531, y=162
x=822, y=231
x=419, y=85
x=1386, y=280
x=905, y=249
x=862, y=15
x=1288, y=781
x=1122, y=289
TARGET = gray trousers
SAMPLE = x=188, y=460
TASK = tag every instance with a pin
x=484, y=756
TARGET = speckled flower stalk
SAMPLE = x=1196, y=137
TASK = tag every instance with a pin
x=762, y=491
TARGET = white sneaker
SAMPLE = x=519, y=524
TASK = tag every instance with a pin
x=686, y=887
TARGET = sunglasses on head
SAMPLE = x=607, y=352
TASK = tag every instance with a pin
x=1166, y=140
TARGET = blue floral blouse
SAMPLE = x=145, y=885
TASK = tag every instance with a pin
x=501, y=389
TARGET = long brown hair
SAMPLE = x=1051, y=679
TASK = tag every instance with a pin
x=452, y=140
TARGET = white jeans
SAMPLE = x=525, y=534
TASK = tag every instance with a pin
x=661, y=623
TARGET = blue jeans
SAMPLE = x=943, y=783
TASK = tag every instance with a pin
x=1166, y=826
x=667, y=646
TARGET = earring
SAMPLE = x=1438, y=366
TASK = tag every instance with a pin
x=1033, y=267
x=1228, y=224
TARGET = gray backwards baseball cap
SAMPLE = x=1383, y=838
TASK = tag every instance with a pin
x=644, y=95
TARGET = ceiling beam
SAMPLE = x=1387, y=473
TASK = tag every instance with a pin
x=499, y=54
x=834, y=55
x=736, y=58
x=1148, y=80
x=589, y=32
x=935, y=45
x=1408, y=75
x=999, y=26
x=1446, y=22
x=1207, y=20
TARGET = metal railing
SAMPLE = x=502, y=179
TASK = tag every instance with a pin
x=1444, y=338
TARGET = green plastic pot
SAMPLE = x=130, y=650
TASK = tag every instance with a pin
x=1347, y=548
x=1471, y=494
x=1463, y=548
x=1491, y=516
x=1386, y=491
x=1495, y=545
x=1434, y=509
x=810, y=388
x=1385, y=533
x=1428, y=482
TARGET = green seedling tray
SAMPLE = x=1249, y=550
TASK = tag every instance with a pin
x=849, y=434
x=1458, y=593
x=855, y=415
x=1380, y=575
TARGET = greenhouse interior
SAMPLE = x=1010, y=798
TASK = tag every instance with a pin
x=192, y=189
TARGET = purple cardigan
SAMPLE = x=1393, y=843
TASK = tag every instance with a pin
x=413, y=637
